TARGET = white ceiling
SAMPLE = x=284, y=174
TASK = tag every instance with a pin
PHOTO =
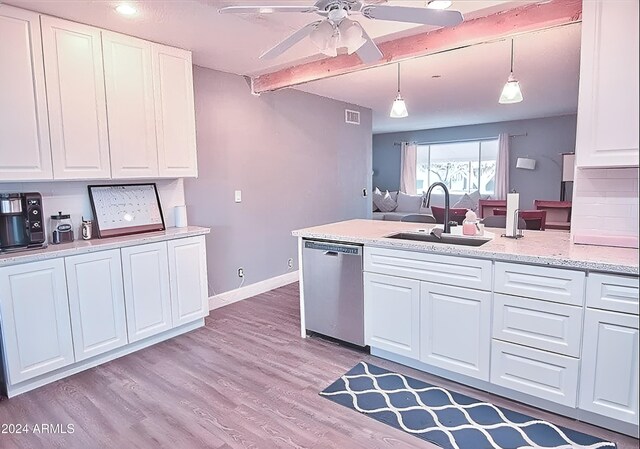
x=547, y=64
x=231, y=43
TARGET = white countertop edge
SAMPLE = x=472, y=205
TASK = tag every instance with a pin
x=475, y=252
x=88, y=246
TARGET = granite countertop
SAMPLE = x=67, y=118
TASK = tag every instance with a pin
x=552, y=248
x=88, y=246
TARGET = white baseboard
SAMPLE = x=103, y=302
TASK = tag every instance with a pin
x=226, y=298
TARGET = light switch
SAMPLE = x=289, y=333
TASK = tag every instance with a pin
x=238, y=196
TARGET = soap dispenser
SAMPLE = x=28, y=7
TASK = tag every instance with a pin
x=470, y=223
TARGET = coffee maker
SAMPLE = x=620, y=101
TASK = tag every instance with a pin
x=21, y=221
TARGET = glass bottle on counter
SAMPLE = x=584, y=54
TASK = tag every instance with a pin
x=61, y=228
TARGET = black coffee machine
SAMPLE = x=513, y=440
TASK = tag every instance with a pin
x=21, y=221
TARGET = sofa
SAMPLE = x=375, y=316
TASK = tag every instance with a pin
x=406, y=204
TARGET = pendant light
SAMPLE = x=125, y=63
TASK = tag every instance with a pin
x=399, y=108
x=511, y=92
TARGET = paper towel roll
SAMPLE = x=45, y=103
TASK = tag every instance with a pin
x=180, y=213
x=513, y=204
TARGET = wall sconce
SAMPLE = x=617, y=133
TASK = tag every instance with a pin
x=526, y=163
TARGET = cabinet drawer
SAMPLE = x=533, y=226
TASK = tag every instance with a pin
x=542, y=374
x=550, y=284
x=616, y=293
x=539, y=324
x=450, y=270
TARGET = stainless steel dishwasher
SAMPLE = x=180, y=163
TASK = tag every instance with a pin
x=333, y=290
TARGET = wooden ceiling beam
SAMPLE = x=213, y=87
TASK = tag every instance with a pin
x=496, y=26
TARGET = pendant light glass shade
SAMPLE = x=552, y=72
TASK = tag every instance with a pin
x=399, y=107
x=511, y=92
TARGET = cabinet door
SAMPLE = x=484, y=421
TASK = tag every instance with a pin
x=25, y=150
x=76, y=99
x=455, y=329
x=609, y=374
x=130, y=106
x=145, y=270
x=392, y=314
x=188, y=279
x=607, y=132
x=175, y=112
x=35, y=319
x=96, y=303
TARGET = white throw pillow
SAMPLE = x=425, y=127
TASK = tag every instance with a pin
x=384, y=202
x=466, y=203
x=408, y=203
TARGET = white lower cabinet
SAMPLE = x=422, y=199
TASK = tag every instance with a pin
x=455, y=329
x=609, y=374
x=538, y=373
x=188, y=279
x=392, y=314
x=36, y=329
x=96, y=302
x=145, y=271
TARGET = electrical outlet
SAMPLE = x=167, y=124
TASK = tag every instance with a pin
x=240, y=272
x=290, y=263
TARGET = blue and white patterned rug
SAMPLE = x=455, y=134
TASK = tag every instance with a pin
x=447, y=419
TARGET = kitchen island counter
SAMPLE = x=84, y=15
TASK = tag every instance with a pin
x=549, y=248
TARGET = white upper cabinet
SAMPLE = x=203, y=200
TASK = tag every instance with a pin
x=175, y=113
x=130, y=106
x=25, y=151
x=607, y=132
x=76, y=100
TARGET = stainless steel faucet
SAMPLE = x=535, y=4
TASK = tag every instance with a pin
x=447, y=226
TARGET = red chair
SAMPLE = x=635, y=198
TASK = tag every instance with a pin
x=456, y=214
x=486, y=208
x=558, y=213
x=536, y=220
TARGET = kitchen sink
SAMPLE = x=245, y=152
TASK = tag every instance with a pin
x=447, y=239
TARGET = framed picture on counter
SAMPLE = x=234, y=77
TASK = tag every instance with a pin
x=123, y=209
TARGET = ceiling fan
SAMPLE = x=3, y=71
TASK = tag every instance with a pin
x=336, y=30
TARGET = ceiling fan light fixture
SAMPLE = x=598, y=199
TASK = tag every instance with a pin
x=511, y=92
x=439, y=4
x=351, y=35
x=325, y=36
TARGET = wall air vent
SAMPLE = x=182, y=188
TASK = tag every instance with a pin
x=352, y=117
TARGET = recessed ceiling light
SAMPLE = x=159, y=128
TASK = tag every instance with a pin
x=439, y=4
x=126, y=10
x=266, y=10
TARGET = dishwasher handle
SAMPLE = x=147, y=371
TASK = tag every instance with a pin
x=333, y=249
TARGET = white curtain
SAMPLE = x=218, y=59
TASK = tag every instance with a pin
x=408, y=164
x=502, y=168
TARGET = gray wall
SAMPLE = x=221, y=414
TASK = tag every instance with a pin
x=546, y=138
x=296, y=161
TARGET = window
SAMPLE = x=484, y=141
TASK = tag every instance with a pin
x=463, y=167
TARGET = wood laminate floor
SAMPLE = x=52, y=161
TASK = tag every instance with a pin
x=245, y=380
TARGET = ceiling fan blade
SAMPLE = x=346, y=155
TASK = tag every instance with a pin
x=290, y=41
x=265, y=9
x=424, y=16
x=369, y=52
